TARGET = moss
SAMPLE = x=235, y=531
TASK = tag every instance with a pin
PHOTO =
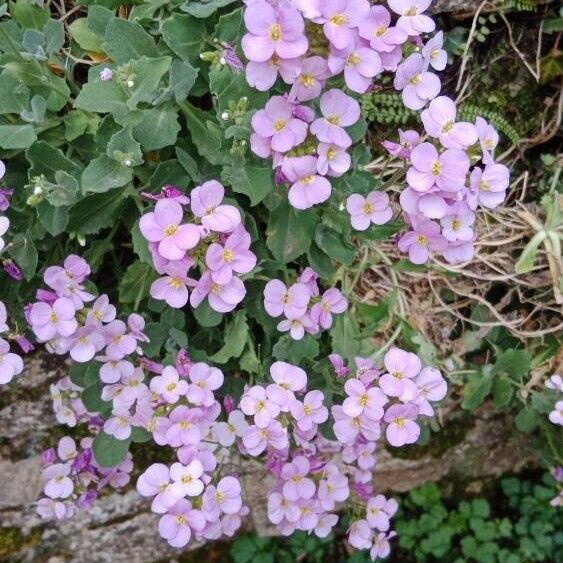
x=12, y=541
x=451, y=435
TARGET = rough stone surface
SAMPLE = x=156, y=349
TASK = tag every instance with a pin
x=120, y=526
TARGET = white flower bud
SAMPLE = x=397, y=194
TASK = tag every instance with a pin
x=225, y=115
x=38, y=190
x=130, y=84
x=223, y=61
x=127, y=162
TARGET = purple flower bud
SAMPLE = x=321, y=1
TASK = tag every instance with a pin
x=87, y=498
x=172, y=192
x=106, y=74
x=557, y=473
x=5, y=195
x=304, y=113
x=81, y=461
x=151, y=197
x=49, y=456
x=363, y=490
x=228, y=403
x=25, y=345
x=46, y=296
x=279, y=177
x=231, y=58
x=151, y=365
x=12, y=270
x=183, y=362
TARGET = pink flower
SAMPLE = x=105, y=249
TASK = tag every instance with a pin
x=169, y=385
x=276, y=123
x=292, y=302
x=417, y=85
x=340, y=17
x=297, y=485
x=378, y=513
x=308, y=188
x=288, y=376
x=402, y=428
x=272, y=31
x=556, y=415
x=10, y=364
x=332, y=301
x=176, y=526
x=233, y=256
x=186, y=479
x=488, y=138
x=458, y=227
x=363, y=401
x=49, y=321
x=102, y=311
x=222, y=298
x=359, y=63
x=310, y=79
x=333, y=487
x=431, y=387
x=309, y=412
x=263, y=75
x=325, y=524
x=255, y=402
x=490, y=184
x=85, y=343
x=279, y=508
x=412, y=20
x=256, y=439
x=184, y=429
x=418, y=242
x=297, y=327
x=447, y=171
x=360, y=534
x=114, y=369
x=332, y=160
x=119, y=343
x=381, y=548
x=235, y=427
x=439, y=122
x=163, y=226
x=119, y=425
x=339, y=111
x=57, y=482
x=366, y=210
x=225, y=498
x=204, y=380
x=433, y=52
x=337, y=362
x=407, y=141
x=377, y=30
x=206, y=204
x=402, y=367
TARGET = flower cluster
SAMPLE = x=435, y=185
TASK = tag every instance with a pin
x=10, y=364
x=72, y=480
x=557, y=473
x=214, y=239
x=190, y=495
x=555, y=383
x=67, y=404
x=302, y=305
x=313, y=475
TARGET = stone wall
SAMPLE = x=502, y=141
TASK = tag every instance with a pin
x=120, y=526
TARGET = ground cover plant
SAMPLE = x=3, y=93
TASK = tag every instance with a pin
x=188, y=215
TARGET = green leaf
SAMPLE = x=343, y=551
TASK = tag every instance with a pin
x=24, y=253
x=256, y=183
x=17, y=136
x=140, y=245
x=14, y=95
x=64, y=191
x=230, y=27
x=526, y=261
x=54, y=219
x=109, y=451
x=135, y=283
x=92, y=399
x=235, y=338
x=158, y=129
x=147, y=74
x=333, y=244
x=126, y=40
x=48, y=160
x=186, y=36
x=103, y=174
x=476, y=391
x=78, y=122
x=294, y=351
x=140, y=435
x=206, y=316
x=29, y=14
x=102, y=97
x=514, y=363
x=122, y=146
x=206, y=135
x=182, y=79
x=203, y=9
x=290, y=232
x=84, y=36
x=95, y=212
x=502, y=391
x=526, y=420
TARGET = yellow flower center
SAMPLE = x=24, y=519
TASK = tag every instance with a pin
x=279, y=125
x=447, y=127
x=171, y=387
x=399, y=374
x=489, y=144
x=307, y=80
x=184, y=425
x=219, y=496
x=263, y=434
x=368, y=208
x=456, y=224
x=297, y=478
x=364, y=399
x=180, y=520
x=331, y=153
x=98, y=315
x=260, y=406
x=401, y=421
x=436, y=168
x=415, y=80
x=227, y=255
x=307, y=180
x=333, y=119
x=412, y=11
x=434, y=53
x=353, y=59
x=307, y=409
x=215, y=289
x=380, y=30
x=53, y=318
x=422, y=240
x=275, y=32
x=356, y=422
x=171, y=230
x=484, y=186
x=186, y=479
x=285, y=298
x=338, y=19
x=175, y=283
